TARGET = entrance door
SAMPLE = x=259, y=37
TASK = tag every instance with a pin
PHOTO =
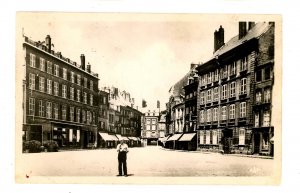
x=256, y=142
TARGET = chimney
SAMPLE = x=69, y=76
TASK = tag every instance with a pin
x=88, y=68
x=48, y=43
x=242, y=29
x=82, y=59
x=251, y=24
x=193, y=66
x=218, y=38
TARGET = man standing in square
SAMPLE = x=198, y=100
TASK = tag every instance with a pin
x=122, y=150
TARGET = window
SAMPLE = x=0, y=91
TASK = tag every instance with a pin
x=56, y=70
x=243, y=86
x=78, y=79
x=208, y=115
x=84, y=97
x=224, y=91
x=242, y=109
x=56, y=88
x=258, y=75
x=72, y=114
x=49, y=86
x=209, y=78
x=201, y=137
x=71, y=93
x=215, y=137
x=232, y=89
x=72, y=77
x=91, y=85
x=83, y=116
x=148, y=127
x=49, y=110
x=104, y=100
x=232, y=111
x=224, y=113
x=266, y=122
x=216, y=75
x=32, y=60
x=88, y=117
x=267, y=95
x=202, y=97
x=207, y=141
x=78, y=95
x=31, y=81
x=65, y=73
x=153, y=121
x=42, y=64
x=258, y=97
x=224, y=74
x=153, y=127
x=42, y=84
x=64, y=91
x=244, y=64
x=267, y=73
x=55, y=111
x=91, y=100
x=233, y=69
x=49, y=67
x=202, y=116
x=241, y=136
x=208, y=96
x=216, y=94
x=64, y=112
x=31, y=106
x=78, y=115
x=85, y=82
x=41, y=109
x=204, y=80
x=256, y=121
x=215, y=114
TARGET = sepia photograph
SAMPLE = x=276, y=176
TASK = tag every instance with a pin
x=136, y=98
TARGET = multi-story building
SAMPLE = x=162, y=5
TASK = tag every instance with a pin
x=58, y=97
x=234, y=92
x=151, y=130
x=103, y=111
x=124, y=121
x=190, y=91
x=162, y=124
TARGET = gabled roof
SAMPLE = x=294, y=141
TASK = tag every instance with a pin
x=255, y=32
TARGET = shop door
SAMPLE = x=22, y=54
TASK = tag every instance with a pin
x=256, y=142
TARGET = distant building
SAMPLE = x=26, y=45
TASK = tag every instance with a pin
x=59, y=97
x=151, y=130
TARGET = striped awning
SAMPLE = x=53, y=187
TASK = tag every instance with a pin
x=187, y=137
x=133, y=138
x=175, y=137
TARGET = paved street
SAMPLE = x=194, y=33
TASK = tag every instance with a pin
x=148, y=161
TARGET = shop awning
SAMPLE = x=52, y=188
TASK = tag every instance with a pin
x=107, y=137
x=187, y=137
x=175, y=137
x=119, y=137
x=133, y=138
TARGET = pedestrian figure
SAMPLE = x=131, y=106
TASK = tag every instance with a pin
x=122, y=150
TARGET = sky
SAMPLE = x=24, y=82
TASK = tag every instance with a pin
x=144, y=54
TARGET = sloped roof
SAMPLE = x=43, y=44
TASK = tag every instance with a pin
x=177, y=89
x=257, y=30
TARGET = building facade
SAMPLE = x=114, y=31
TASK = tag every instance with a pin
x=151, y=129
x=230, y=83
x=59, y=97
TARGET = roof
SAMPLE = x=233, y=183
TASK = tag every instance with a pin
x=255, y=32
x=187, y=137
x=177, y=88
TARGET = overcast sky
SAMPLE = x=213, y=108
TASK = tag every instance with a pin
x=142, y=54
